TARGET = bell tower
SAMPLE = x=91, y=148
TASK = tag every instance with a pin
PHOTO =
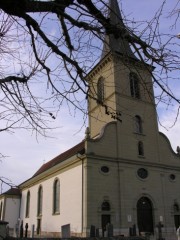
x=120, y=83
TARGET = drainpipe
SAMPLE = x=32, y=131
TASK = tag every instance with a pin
x=119, y=176
x=82, y=218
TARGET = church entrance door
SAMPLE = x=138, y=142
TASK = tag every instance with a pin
x=105, y=219
x=145, y=215
x=177, y=221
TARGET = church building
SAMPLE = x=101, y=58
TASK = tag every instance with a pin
x=124, y=173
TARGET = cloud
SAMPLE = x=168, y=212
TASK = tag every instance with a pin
x=26, y=153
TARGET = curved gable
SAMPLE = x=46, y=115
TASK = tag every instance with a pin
x=166, y=151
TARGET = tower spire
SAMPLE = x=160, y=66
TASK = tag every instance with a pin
x=111, y=43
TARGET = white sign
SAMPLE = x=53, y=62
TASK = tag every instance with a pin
x=129, y=218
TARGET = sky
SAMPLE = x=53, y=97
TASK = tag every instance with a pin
x=26, y=152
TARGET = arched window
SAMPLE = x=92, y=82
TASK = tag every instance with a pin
x=40, y=198
x=134, y=85
x=140, y=148
x=138, y=124
x=176, y=207
x=105, y=206
x=1, y=210
x=100, y=90
x=27, y=203
x=56, y=196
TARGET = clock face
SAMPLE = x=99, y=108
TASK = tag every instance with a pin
x=142, y=173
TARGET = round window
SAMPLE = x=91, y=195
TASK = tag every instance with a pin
x=172, y=177
x=142, y=173
x=104, y=169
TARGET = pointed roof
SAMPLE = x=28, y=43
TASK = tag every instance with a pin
x=13, y=191
x=111, y=43
x=79, y=148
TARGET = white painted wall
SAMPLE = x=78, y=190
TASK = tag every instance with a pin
x=70, y=202
x=12, y=211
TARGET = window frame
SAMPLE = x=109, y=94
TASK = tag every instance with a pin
x=100, y=90
x=138, y=124
x=28, y=197
x=56, y=196
x=134, y=85
x=40, y=201
x=140, y=149
x=142, y=173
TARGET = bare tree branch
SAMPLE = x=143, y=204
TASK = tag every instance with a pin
x=59, y=42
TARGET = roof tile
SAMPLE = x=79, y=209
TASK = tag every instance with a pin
x=60, y=158
x=13, y=191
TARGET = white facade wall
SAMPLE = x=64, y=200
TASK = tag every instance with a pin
x=70, y=202
x=12, y=211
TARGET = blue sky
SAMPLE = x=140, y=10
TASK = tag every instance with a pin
x=26, y=152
